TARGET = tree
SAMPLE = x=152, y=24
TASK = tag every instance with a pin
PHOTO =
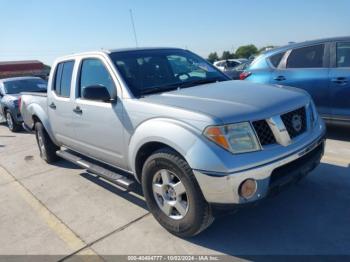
x=246, y=51
x=213, y=57
x=226, y=55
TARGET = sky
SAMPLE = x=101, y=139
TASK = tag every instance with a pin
x=47, y=29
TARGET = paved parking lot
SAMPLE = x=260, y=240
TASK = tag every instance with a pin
x=60, y=209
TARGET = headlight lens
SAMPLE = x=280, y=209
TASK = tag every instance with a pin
x=236, y=138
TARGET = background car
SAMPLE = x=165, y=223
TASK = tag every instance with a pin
x=235, y=72
x=321, y=67
x=10, y=89
x=225, y=65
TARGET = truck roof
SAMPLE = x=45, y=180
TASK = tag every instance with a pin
x=109, y=51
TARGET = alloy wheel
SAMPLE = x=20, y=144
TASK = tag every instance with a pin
x=170, y=194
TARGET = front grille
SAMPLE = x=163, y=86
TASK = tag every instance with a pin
x=295, y=122
x=264, y=133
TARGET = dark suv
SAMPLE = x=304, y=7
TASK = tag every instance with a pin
x=10, y=93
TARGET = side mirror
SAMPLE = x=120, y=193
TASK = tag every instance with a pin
x=96, y=93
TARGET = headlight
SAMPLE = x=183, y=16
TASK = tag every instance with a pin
x=236, y=138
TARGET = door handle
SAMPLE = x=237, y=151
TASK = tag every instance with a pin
x=52, y=106
x=279, y=78
x=78, y=110
x=340, y=80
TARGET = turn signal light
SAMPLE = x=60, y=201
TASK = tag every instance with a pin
x=215, y=133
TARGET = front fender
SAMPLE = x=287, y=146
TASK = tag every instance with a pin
x=185, y=139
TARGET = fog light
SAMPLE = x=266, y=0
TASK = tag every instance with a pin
x=248, y=188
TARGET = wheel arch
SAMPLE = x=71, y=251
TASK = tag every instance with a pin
x=184, y=139
x=39, y=115
x=145, y=151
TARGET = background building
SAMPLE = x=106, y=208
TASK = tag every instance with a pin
x=23, y=68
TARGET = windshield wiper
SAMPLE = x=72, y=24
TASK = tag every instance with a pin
x=199, y=82
x=158, y=89
x=180, y=85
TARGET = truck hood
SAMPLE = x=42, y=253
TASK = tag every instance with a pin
x=234, y=101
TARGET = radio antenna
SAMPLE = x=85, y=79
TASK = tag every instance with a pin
x=133, y=27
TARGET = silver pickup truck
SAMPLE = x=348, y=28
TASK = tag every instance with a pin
x=168, y=119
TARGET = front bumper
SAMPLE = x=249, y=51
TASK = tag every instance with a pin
x=269, y=177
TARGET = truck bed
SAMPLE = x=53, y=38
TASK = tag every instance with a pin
x=44, y=94
x=32, y=103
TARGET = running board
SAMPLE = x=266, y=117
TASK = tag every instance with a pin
x=109, y=175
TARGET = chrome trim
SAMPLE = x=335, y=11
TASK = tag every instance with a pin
x=279, y=130
x=27, y=129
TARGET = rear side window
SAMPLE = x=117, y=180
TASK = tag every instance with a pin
x=58, y=76
x=276, y=59
x=63, y=78
x=306, y=57
x=94, y=73
x=343, y=54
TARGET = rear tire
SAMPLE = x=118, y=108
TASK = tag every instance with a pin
x=182, y=211
x=11, y=122
x=46, y=147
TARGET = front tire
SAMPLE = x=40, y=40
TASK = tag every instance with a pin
x=11, y=123
x=46, y=147
x=173, y=194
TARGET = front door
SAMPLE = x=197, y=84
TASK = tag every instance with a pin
x=98, y=125
x=307, y=68
x=340, y=81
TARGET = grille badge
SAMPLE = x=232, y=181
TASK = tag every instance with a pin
x=297, y=123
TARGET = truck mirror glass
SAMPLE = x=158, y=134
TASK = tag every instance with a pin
x=96, y=93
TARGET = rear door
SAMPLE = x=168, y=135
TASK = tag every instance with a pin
x=60, y=104
x=99, y=125
x=307, y=68
x=340, y=81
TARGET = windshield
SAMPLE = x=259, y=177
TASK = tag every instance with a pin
x=153, y=71
x=232, y=64
x=25, y=85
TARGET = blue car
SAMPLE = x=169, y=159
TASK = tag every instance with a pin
x=321, y=67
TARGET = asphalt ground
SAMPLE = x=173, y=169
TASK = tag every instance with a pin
x=62, y=210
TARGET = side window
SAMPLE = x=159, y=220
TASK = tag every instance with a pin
x=343, y=54
x=58, y=76
x=94, y=73
x=306, y=57
x=276, y=59
x=63, y=78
